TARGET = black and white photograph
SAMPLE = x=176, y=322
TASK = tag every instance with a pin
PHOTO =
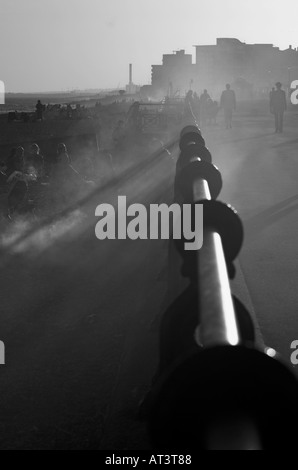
x=148, y=227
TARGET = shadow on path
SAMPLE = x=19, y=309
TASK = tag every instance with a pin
x=260, y=222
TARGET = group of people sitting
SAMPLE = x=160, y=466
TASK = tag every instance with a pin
x=25, y=180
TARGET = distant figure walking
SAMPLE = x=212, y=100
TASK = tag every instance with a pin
x=204, y=99
x=189, y=105
x=39, y=110
x=213, y=110
x=278, y=105
x=270, y=99
x=197, y=107
x=228, y=104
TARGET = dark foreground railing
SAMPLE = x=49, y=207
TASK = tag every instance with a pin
x=215, y=387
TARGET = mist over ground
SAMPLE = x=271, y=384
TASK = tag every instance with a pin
x=80, y=317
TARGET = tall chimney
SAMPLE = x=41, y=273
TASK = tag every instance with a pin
x=130, y=74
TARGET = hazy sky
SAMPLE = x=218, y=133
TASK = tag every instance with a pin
x=62, y=44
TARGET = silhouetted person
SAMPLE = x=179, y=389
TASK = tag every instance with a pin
x=39, y=110
x=17, y=181
x=189, y=104
x=270, y=99
x=212, y=112
x=78, y=111
x=278, y=105
x=228, y=104
x=65, y=179
x=62, y=155
x=197, y=107
x=35, y=161
x=69, y=111
x=209, y=107
x=204, y=99
x=16, y=161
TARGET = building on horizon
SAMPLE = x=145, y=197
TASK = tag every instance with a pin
x=175, y=75
x=252, y=69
